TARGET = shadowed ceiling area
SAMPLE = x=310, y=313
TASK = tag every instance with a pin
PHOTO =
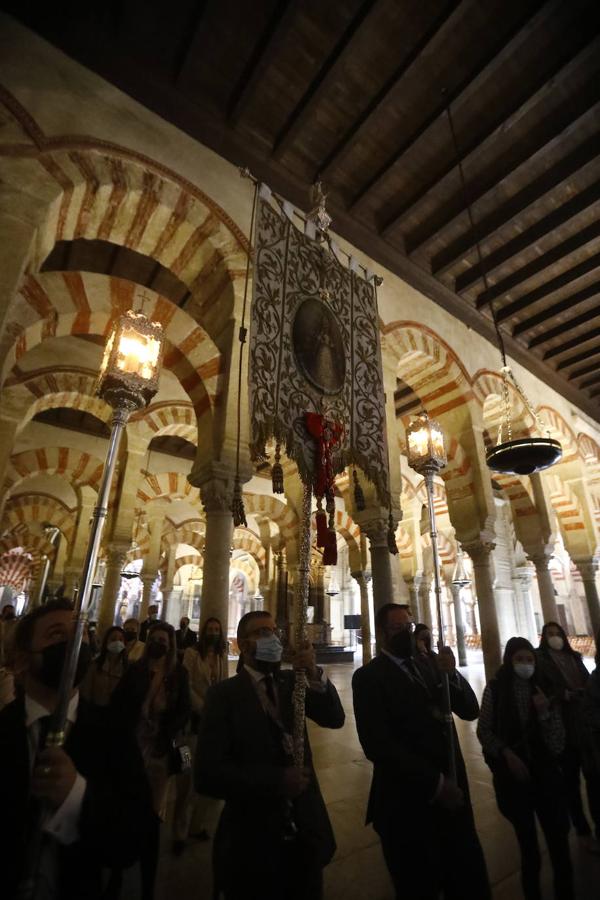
x=354, y=93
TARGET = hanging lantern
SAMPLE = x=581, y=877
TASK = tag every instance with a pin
x=521, y=456
x=425, y=445
x=460, y=576
x=131, y=365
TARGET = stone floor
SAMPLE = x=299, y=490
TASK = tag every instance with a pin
x=357, y=871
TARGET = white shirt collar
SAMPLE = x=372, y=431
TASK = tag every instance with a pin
x=35, y=710
x=396, y=659
x=256, y=675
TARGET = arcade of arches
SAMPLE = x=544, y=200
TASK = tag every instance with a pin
x=130, y=209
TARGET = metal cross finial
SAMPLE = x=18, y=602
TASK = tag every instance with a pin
x=143, y=297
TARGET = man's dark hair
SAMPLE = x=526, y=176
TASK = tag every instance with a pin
x=26, y=625
x=242, y=629
x=381, y=616
x=131, y=619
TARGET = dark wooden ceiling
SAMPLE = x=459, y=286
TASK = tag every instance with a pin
x=354, y=92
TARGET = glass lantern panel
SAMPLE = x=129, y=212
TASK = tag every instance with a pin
x=137, y=354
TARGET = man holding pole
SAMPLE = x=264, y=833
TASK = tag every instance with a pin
x=68, y=810
x=423, y=818
x=274, y=836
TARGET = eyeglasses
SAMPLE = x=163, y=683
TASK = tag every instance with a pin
x=265, y=631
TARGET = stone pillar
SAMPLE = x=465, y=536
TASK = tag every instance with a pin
x=588, y=569
x=381, y=569
x=523, y=577
x=216, y=499
x=115, y=559
x=365, y=621
x=480, y=552
x=167, y=582
x=459, y=622
x=414, y=585
x=8, y=431
x=545, y=584
x=148, y=580
x=425, y=599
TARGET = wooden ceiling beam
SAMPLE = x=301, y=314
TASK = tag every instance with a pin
x=589, y=382
x=571, y=344
x=260, y=60
x=584, y=370
x=545, y=290
x=499, y=51
x=331, y=70
x=534, y=141
x=557, y=309
x=193, y=45
x=537, y=265
x=578, y=357
x=365, y=122
x=564, y=328
x=558, y=217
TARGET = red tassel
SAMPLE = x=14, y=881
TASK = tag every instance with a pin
x=330, y=551
x=322, y=531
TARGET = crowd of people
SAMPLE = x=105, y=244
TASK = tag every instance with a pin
x=155, y=723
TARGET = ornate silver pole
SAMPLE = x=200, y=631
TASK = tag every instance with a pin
x=300, y=636
x=447, y=705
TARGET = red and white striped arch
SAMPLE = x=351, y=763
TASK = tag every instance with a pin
x=77, y=467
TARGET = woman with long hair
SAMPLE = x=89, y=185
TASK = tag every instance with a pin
x=206, y=663
x=523, y=737
x=564, y=673
x=106, y=670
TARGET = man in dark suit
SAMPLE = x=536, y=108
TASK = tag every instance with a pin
x=91, y=796
x=147, y=623
x=184, y=636
x=274, y=836
x=425, y=820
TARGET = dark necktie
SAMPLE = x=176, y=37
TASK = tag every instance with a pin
x=270, y=689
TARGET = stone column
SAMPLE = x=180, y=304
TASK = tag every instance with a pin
x=148, y=580
x=459, y=622
x=588, y=569
x=425, y=599
x=480, y=551
x=216, y=499
x=8, y=431
x=381, y=569
x=414, y=585
x=115, y=559
x=365, y=621
x=523, y=578
x=167, y=582
x=540, y=559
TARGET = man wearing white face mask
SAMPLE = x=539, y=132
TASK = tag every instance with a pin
x=274, y=836
x=522, y=736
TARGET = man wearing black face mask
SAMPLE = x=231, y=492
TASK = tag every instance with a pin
x=274, y=836
x=90, y=795
x=424, y=820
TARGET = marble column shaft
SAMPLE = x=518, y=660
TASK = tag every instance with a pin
x=381, y=569
x=217, y=554
x=545, y=586
x=115, y=559
x=365, y=621
x=480, y=553
x=459, y=623
x=588, y=569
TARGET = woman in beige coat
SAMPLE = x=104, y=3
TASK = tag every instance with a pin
x=206, y=663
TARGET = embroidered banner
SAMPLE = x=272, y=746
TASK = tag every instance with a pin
x=314, y=347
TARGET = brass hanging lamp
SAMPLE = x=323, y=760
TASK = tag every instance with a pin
x=515, y=456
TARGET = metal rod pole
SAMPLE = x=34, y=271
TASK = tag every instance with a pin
x=28, y=890
x=447, y=705
x=56, y=735
x=301, y=605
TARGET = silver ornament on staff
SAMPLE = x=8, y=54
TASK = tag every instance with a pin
x=300, y=618
x=427, y=456
x=128, y=380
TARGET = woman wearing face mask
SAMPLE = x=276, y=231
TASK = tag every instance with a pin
x=523, y=737
x=206, y=663
x=106, y=670
x=564, y=673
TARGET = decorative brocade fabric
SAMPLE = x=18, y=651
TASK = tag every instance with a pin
x=326, y=360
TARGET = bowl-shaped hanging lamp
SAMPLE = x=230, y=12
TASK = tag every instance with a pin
x=521, y=455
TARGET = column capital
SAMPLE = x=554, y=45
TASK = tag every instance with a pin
x=479, y=551
x=540, y=557
x=359, y=576
x=525, y=576
x=216, y=496
x=116, y=554
x=376, y=530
